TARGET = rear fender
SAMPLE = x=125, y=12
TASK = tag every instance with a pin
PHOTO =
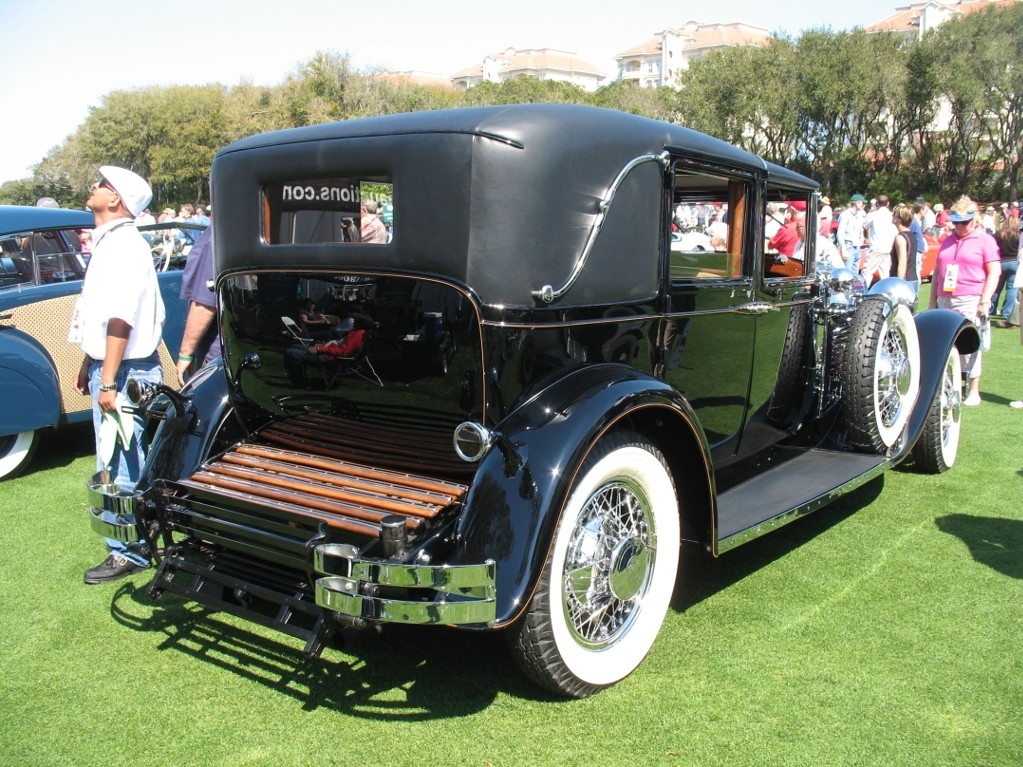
x=518, y=492
x=28, y=383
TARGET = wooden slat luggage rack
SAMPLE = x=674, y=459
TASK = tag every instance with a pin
x=306, y=467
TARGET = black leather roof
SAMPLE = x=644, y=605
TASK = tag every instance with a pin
x=501, y=198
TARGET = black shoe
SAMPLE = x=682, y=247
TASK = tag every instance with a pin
x=112, y=568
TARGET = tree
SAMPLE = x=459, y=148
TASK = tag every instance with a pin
x=659, y=103
x=744, y=96
x=980, y=83
x=523, y=90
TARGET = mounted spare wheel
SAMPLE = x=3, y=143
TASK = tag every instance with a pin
x=881, y=377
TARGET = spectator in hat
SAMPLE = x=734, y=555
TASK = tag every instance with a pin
x=118, y=321
x=965, y=277
x=850, y=231
x=940, y=215
x=786, y=239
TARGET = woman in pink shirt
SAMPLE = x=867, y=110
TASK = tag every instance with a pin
x=965, y=277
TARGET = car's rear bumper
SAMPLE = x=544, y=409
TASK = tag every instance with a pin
x=388, y=592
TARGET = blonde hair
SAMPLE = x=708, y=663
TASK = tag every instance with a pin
x=964, y=206
x=903, y=214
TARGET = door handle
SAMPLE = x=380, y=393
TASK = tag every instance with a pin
x=757, y=308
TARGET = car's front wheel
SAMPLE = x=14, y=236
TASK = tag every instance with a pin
x=16, y=451
x=881, y=378
x=936, y=450
x=610, y=574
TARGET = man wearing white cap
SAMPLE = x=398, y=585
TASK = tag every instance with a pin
x=118, y=321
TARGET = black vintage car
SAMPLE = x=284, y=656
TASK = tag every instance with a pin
x=543, y=395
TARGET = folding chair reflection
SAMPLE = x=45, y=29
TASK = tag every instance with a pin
x=294, y=331
x=357, y=363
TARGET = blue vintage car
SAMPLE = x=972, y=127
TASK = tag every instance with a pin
x=543, y=403
x=42, y=264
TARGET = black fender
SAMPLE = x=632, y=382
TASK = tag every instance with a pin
x=28, y=377
x=521, y=485
x=183, y=440
x=939, y=330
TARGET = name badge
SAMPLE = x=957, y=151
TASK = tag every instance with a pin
x=951, y=276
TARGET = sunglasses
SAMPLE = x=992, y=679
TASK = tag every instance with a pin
x=101, y=183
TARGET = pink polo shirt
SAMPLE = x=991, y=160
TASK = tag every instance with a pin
x=971, y=253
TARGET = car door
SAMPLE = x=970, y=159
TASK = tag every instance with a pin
x=705, y=343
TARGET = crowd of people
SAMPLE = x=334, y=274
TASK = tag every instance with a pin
x=975, y=272
x=976, y=267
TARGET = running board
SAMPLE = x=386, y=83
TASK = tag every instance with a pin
x=789, y=491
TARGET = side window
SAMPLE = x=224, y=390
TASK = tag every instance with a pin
x=708, y=226
x=58, y=254
x=785, y=234
x=17, y=255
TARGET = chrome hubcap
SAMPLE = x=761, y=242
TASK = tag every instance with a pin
x=608, y=564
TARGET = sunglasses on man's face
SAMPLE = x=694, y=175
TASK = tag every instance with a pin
x=101, y=183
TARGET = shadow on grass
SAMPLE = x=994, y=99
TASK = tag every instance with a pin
x=993, y=541
x=701, y=575
x=62, y=447
x=410, y=673
x=404, y=673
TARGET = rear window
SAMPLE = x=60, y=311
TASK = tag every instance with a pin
x=340, y=210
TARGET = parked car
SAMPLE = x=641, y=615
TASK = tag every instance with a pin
x=933, y=238
x=607, y=401
x=171, y=242
x=42, y=265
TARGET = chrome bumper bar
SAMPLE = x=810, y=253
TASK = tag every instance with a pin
x=111, y=509
x=453, y=594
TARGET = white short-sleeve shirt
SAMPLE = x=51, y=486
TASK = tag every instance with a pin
x=120, y=283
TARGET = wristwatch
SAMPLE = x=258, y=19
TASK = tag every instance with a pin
x=108, y=387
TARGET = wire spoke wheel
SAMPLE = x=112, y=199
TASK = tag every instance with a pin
x=608, y=580
x=936, y=450
x=881, y=378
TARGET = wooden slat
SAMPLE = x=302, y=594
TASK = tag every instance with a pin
x=228, y=495
x=307, y=467
x=356, y=497
x=302, y=503
x=348, y=468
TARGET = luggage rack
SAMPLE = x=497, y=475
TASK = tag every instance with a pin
x=341, y=494
x=253, y=516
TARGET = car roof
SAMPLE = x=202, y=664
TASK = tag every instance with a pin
x=22, y=218
x=501, y=198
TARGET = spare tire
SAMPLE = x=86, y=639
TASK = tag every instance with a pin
x=881, y=374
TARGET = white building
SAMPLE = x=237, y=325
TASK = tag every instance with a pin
x=659, y=61
x=917, y=19
x=541, y=63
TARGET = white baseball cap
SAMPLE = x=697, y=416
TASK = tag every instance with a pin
x=133, y=190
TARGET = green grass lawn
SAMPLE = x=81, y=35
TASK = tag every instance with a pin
x=884, y=630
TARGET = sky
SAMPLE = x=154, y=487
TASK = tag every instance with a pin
x=61, y=57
